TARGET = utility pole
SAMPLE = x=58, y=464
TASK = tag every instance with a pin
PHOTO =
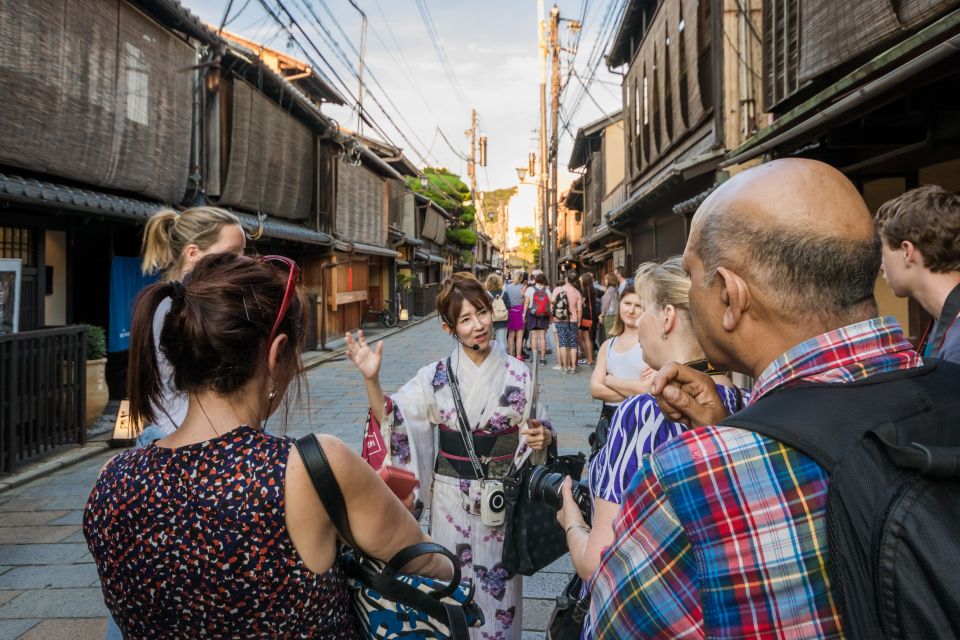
x=474, y=196
x=542, y=178
x=554, y=140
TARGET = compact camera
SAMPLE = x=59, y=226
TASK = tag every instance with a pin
x=493, y=503
x=545, y=486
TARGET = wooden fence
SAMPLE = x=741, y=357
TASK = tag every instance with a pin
x=42, y=392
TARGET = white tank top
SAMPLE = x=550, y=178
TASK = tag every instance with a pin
x=627, y=365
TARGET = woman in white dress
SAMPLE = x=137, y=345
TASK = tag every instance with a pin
x=420, y=428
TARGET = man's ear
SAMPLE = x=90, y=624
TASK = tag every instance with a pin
x=911, y=256
x=735, y=297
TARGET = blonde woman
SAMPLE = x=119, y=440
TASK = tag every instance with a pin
x=173, y=243
x=665, y=334
x=621, y=371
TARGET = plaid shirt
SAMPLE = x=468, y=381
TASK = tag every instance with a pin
x=723, y=532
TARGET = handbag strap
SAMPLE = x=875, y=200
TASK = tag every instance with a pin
x=326, y=486
x=407, y=554
x=462, y=422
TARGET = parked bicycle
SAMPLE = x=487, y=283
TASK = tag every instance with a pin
x=388, y=316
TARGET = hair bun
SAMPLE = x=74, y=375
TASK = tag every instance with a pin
x=177, y=290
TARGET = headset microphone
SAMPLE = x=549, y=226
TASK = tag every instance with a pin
x=475, y=347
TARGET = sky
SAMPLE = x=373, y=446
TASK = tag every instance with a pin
x=494, y=67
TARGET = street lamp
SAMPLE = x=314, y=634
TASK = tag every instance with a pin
x=521, y=173
x=424, y=182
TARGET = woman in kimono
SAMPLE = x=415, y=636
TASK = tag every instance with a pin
x=419, y=425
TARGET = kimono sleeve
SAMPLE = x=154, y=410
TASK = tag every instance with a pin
x=539, y=413
x=408, y=419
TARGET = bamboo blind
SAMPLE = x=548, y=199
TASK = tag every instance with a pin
x=271, y=164
x=94, y=91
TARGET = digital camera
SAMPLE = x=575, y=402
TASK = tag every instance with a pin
x=493, y=503
x=545, y=486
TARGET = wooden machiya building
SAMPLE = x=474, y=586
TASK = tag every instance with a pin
x=869, y=87
x=158, y=111
x=691, y=83
x=585, y=239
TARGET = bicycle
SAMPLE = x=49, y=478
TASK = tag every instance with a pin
x=388, y=317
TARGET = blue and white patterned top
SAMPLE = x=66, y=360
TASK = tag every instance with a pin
x=637, y=428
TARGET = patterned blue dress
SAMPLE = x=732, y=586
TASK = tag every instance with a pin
x=193, y=543
x=637, y=428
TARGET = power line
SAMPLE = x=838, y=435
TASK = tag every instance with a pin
x=440, y=51
x=376, y=82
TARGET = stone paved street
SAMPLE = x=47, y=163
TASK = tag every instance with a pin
x=48, y=584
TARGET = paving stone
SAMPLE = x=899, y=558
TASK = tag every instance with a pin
x=14, y=628
x=536, y=613
x=66, y=503
x=68, y=629
x=30, y=518
x=563, y=564
x=70, y=517
x=533, y=635
x=7, y=596
x=55, y=576
x=20, y=503
x=76, y=537
x=4, y=570
x=56, y=603
x=40, y=534
x=59, y=553
x=542, y=584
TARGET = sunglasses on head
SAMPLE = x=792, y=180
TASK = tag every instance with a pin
x=292, y=279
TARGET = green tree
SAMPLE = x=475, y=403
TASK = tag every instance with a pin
x=529, y=244
x=448, y=191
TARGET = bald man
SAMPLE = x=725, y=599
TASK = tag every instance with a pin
x=723, y=531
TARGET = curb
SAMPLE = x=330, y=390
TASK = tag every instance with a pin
x=327, y=356
x=41, y=469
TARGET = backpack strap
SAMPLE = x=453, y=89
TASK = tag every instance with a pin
x=823, y=420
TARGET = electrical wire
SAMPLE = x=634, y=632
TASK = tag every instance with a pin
x=434, y=36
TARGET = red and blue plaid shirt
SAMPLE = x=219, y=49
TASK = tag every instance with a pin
x=723, y=532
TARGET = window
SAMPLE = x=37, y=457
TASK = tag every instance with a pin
x=704, y=53
x=667, y=87
x=645, y=134
x=655, y=103
x=138, y=86
x=683, y=96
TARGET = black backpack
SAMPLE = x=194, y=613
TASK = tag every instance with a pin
x=891, y=444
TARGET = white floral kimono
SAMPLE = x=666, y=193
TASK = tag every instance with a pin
x=495, y=396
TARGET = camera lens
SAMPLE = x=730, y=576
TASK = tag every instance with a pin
x=545, y=487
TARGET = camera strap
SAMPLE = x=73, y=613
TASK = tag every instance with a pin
x=463, y=423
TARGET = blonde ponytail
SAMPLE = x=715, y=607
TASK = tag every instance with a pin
x=168, y=234
x=157, y=250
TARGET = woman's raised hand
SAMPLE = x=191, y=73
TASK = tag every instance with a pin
x=366, y=359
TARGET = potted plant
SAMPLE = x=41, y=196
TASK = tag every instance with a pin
x=97, y=393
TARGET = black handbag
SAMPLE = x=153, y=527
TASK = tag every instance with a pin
x=532, y=536
x=566, y=621
x=387, y=603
